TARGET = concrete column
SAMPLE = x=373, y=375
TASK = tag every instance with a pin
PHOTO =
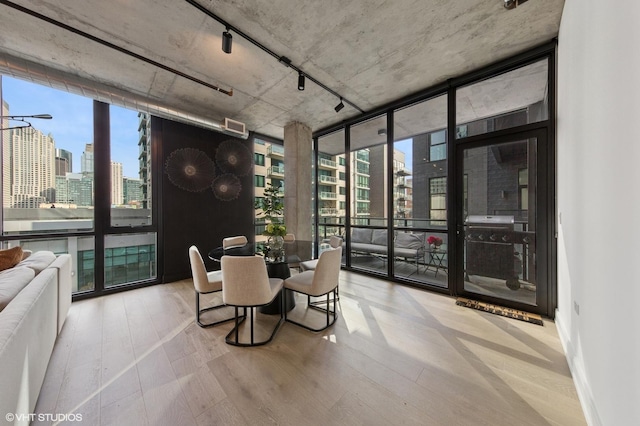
x=298, y=174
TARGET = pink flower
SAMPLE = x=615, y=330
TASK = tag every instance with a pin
x=436, y=241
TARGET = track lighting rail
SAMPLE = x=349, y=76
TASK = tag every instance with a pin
x=282, y=59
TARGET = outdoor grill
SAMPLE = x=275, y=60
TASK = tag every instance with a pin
x=490, y=248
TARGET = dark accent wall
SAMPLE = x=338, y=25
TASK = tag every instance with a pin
x=198, y=218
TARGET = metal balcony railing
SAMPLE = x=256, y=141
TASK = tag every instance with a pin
x=326, y=211
x=275, y=170
x=328, y=179
x=328, y=163
x=275, y=151
x=328, y=195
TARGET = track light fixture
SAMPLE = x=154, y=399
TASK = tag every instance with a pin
x=302, y=76
x=227, y=40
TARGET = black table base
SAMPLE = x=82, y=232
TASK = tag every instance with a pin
x=279, y=270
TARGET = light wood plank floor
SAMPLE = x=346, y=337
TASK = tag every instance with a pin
x=396, y=355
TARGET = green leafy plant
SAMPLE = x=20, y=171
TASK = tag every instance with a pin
x=272, y=206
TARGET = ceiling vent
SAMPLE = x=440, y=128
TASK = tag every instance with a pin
x=233, y=126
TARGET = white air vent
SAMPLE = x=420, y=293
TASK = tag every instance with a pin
x=233, y=126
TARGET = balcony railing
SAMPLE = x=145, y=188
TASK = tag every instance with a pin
x=275, y=151
x=275, y=170
x=328, y=163
x=326, y=211
x=328, y=196
x=328, y=179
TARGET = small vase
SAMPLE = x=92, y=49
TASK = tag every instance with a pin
x=275, y=248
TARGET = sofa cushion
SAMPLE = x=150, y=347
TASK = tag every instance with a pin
x=12, y=281
x=410, y=241
x=10, y=257
x=38, y=261
x=379, y=237
x=361, y=235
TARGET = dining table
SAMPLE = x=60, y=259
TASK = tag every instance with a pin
x=295, y=252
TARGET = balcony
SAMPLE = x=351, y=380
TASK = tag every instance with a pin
x=403, y=172
x=328, y=179
x=327, y=211
x=328, y=195
x=327, y=164
x=275, y=171
x=275, y=151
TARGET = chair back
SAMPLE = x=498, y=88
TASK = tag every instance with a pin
x=237, y=241
x=245, y=281
x=327, y=272
x=198, y=270
x=289, y=238
x=335, y=241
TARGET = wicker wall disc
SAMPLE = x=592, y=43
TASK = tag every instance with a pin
x=234, y=157
x=226, y=187
x=190, y=169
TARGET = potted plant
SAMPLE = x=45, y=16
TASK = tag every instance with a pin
x=272, y=209
x=434, y=242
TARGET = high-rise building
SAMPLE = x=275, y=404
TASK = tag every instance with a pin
x=86, y=160
x=74, y=189
x=117, y=195
x=5, y=140
x=63, y=162
x=132, y=191
x=32, y=164
x=144, y=157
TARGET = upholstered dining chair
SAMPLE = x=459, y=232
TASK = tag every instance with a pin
x=247, y=285
x=204, y=283
x=320, y=282
x=289, y=238
x=310, y=265
x=237, y=241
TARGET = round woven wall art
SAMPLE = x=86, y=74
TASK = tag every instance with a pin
x=190, y=169
x=233, y=157
x=226, y=187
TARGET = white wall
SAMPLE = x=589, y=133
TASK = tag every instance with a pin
x=598, y=182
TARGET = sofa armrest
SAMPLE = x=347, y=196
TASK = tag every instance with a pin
x=62, y=264
x=27, y=337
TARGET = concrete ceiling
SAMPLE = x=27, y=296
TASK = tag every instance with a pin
x=371, y=52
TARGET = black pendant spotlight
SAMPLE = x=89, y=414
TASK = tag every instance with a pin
x=227, y=39
x=339, y=106
x=300, y=81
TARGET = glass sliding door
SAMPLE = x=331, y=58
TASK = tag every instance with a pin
x=502, y=221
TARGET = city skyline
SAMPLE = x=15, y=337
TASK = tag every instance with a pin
x=72, y=125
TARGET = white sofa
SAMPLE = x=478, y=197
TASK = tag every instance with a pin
x=30, y=320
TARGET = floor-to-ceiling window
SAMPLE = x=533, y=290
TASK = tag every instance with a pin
x=331, y=186
x=413, y=192
x=368, y=195
x=52, y=196
x=420, y=179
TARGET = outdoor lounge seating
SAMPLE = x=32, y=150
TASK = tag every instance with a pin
x=373, y=242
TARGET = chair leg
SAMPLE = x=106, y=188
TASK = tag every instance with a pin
x=317, y=303
x=236, y=330
x=327, y=311
x=200, y=311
